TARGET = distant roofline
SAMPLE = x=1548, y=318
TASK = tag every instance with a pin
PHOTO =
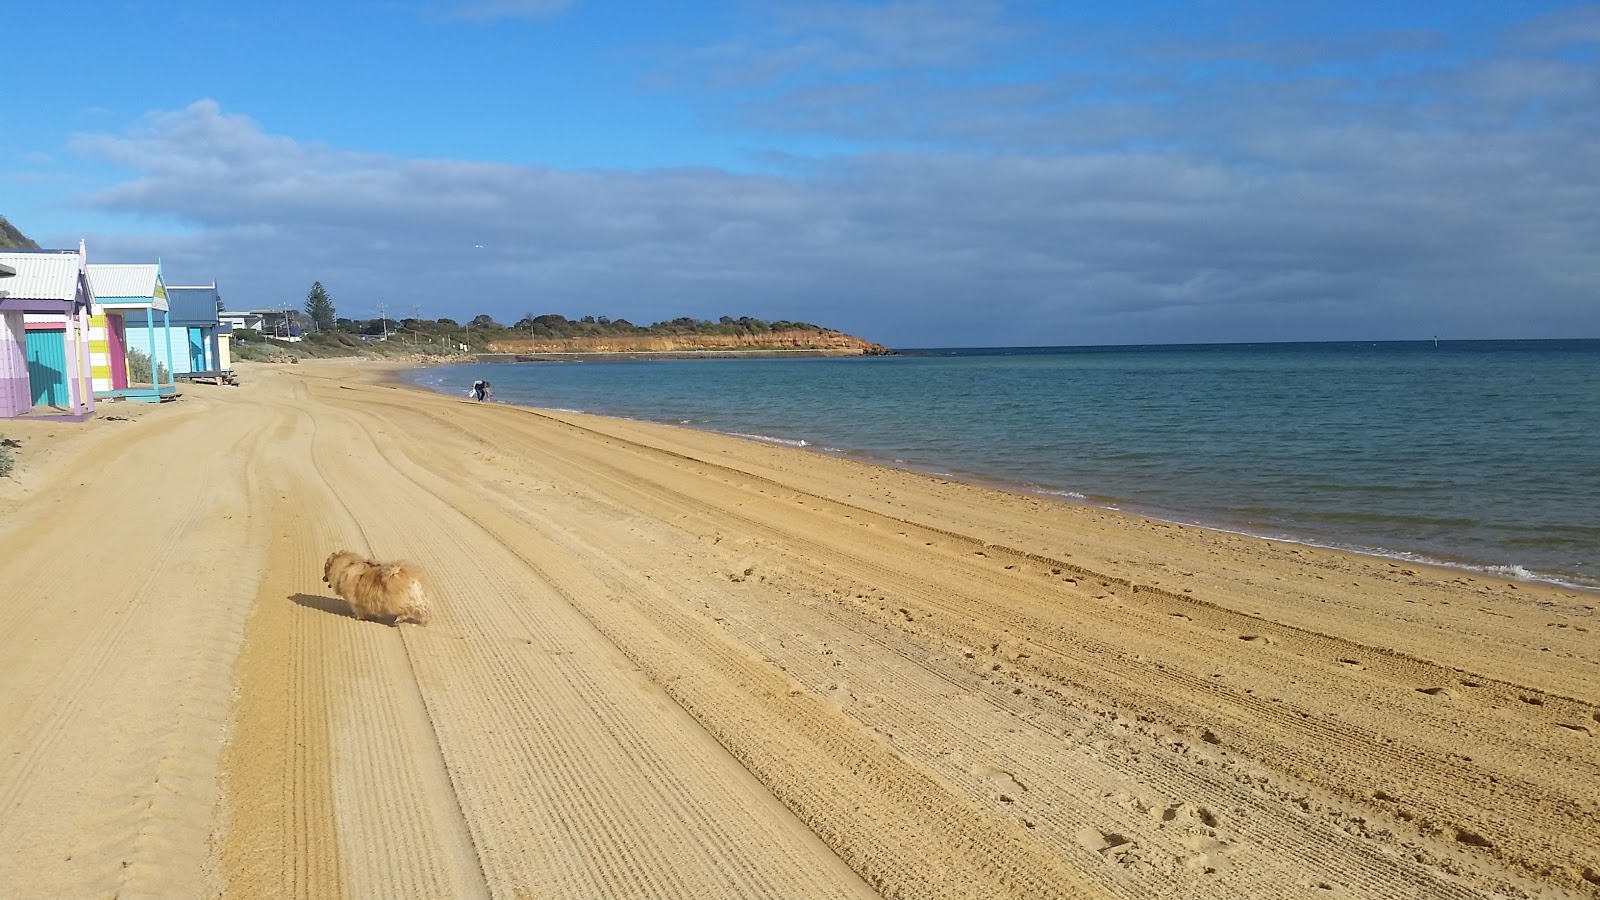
x=192, y=287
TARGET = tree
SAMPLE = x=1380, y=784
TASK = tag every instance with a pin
x=220, y=308
x=319, y=306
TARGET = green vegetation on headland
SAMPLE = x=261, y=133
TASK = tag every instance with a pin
x=12, y=239
x=544, y=334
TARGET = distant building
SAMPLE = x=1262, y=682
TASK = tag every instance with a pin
x=250, y=319
x=278, y=324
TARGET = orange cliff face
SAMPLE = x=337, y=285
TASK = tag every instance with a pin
x=652, y=343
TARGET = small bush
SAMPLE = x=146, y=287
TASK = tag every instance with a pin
x=7, y=461
x=254, y=351
x=139, y=368
x=246, y=335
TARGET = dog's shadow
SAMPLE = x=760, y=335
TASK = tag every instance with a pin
x=331, y=605
x=335, y=606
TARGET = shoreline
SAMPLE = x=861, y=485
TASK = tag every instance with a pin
x=1512, y=571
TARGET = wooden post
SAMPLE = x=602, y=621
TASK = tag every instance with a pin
x=80, y=356
x=150, y=329
x=172, y=374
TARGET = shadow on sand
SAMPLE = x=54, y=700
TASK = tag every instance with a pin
x=337, y=607
x=329, y=605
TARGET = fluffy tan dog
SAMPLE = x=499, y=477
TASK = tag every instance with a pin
x=377, y=590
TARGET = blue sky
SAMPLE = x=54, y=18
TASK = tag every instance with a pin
x=919, y=173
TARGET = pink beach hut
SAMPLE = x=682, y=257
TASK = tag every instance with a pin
x=45, y=368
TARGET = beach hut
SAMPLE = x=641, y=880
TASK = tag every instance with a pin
x=108, y=353
x=200, y=332
x=44, y=333
x=137, y=295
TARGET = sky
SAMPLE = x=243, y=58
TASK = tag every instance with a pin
x=919, y=173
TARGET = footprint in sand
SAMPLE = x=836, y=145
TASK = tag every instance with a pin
x=1188, y=814
x=1003, y=781
x=1352, y=663
x=1211, y=855
x=1255, y=638
x=1102, y=842
x=1434, y=692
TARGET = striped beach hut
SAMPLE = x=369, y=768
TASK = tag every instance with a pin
x=44, y=333
x=136, y=294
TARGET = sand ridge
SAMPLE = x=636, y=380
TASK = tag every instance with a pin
x=673, y=664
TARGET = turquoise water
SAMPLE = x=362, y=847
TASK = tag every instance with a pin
x=1480, y=453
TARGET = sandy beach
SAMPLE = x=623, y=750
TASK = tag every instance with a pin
x=665, y=663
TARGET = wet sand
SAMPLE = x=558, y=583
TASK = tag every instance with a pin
x=665, y=663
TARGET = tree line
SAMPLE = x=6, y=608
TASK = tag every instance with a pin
x=323, y=315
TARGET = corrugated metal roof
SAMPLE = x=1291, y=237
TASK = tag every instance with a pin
x=41, y=276
x=193, y=305
x=136, y=280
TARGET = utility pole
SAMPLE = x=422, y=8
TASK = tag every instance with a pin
x=416, y=316
x=383, y=316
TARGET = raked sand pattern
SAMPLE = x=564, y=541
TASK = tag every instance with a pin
x=669, y=664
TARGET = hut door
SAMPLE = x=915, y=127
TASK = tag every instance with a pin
x=47, y=367
x=197, y=350
x=117, y=344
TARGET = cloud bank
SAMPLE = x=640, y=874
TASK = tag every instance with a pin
x=1288, y=191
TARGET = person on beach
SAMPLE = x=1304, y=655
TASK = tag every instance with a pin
x=487, y=392
x=480, y=390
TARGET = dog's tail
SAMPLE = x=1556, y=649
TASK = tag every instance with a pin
x=416, y=602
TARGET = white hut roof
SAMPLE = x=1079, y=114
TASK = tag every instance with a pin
x=41, y=276
x=123, y=280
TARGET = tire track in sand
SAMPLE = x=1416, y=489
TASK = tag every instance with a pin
x=1445, y=785
x=904, y=831
x=580, y=778
x=1071, y=786
x=973, y=604
x=334, y=786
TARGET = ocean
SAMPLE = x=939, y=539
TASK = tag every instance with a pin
x=1479, y=454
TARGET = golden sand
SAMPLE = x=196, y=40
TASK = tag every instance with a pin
x=665, y=663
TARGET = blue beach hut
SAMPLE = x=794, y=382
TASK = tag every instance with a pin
x=139, y=294
x=198, y=332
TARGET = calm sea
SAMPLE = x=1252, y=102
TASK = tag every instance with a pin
x=1475, y=453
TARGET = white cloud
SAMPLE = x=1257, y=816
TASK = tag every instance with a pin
x=1373, y=234
x=1575, y=25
